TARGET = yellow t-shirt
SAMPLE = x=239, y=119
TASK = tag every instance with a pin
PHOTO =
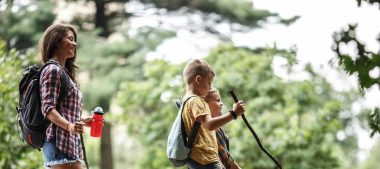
x=205, y=146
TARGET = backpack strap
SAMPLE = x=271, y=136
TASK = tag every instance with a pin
x=65, y=80
x=193, y=134
x=194, y=131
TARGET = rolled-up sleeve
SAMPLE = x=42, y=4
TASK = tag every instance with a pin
x=50, y=85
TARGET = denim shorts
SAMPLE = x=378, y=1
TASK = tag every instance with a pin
x=51, y=158
x=191, y=164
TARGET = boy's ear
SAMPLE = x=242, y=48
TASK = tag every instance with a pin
x=198, y=79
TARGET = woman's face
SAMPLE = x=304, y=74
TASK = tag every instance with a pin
x=67, y=46
x=215, y=104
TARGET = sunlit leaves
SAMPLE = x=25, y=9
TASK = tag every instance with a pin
x=369, y=1
x=21, y=28
x=14, y=153
x=374, y=121
x=359, y=64
x=108, y=64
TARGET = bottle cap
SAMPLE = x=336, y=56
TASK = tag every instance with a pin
x=98, y=110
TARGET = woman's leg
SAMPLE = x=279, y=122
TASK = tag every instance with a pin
x=58, y=160
x=75, y=165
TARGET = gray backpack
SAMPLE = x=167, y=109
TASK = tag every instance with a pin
x=179, y=144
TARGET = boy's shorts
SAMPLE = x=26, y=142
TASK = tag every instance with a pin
x=191, y=164
x=50, y=157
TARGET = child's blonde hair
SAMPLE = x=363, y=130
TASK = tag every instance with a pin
x=213, y=90
x=196, y=67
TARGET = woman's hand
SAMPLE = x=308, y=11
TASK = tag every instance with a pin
x=76, y=127
x=87, y=120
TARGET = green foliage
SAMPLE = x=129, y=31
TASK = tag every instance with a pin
x=374, y=121
x=110, y=63
x=369, y=1
x=107, y=64
x=360, y=65
x=22, y=29
x=92, y=150
x=373, y=158
x=14, y=153
x=297, y=120
x=237, y=11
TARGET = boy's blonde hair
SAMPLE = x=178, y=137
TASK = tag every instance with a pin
x=196, y=67
x=213, y=90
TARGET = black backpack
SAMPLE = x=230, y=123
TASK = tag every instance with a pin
x=31, y=121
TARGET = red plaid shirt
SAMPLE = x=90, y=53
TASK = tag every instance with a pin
x=69, y=108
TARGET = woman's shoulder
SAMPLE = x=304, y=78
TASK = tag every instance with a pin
x=51, y=69
x=52, y=66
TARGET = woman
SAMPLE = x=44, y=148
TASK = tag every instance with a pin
x=62, y=147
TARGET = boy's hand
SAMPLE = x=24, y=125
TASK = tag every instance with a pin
x=239, y=108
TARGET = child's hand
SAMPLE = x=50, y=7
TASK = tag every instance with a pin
x=239, y=108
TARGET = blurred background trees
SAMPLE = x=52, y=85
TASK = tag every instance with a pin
x=298, y=121
x=305, y=124
x=21, y=26
x=13, y=152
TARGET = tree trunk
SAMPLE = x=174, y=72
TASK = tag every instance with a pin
x=106, y=158
x=100, y=18
x=9, y=4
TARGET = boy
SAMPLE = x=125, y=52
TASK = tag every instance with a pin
x=215, y=104
x=198, y=76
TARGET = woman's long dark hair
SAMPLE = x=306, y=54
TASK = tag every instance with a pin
x=49, y=43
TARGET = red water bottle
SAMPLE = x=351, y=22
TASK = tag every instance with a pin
x=97, y=122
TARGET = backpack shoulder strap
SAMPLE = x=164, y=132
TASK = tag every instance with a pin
x=194, y=131
x=65, y=80
x=193, y=134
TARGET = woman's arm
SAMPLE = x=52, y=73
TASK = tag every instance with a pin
x=58, y=120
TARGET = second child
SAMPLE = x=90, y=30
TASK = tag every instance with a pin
x=215, y=104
